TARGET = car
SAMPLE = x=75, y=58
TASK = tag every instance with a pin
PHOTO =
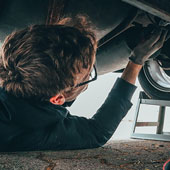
x=119, y=26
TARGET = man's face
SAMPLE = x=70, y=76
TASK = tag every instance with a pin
x=72, y=93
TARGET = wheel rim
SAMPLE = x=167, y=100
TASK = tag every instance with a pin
x=157, y=76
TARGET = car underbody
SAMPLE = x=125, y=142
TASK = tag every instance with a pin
x=117, y=24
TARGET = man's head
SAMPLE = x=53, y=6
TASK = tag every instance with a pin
x=46, y=62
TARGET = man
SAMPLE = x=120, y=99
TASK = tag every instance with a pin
x=43, y=69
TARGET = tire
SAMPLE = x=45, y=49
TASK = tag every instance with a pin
x=155, y=81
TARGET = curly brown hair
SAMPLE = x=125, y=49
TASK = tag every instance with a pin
x=41, y=60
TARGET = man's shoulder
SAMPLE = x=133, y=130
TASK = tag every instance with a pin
x=29, y=110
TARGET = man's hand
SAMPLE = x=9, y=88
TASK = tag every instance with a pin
x=148, y=46
x=141, y=53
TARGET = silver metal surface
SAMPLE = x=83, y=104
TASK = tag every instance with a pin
x=161, y=118
x=112, y=56
x=157, y=76
x=159, y=134
x=150, y=8
x=151, y=136
x=156, y=102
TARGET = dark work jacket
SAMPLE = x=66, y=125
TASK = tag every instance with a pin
x=29, y=125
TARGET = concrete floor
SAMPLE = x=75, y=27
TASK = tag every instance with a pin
x=115, y=155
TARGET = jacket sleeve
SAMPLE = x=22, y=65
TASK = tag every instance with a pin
x=75, y=132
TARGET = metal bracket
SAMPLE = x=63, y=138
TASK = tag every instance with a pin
x=160, y=135
x=151, y=8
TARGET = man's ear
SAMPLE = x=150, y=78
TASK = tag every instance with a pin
x=58, y=99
